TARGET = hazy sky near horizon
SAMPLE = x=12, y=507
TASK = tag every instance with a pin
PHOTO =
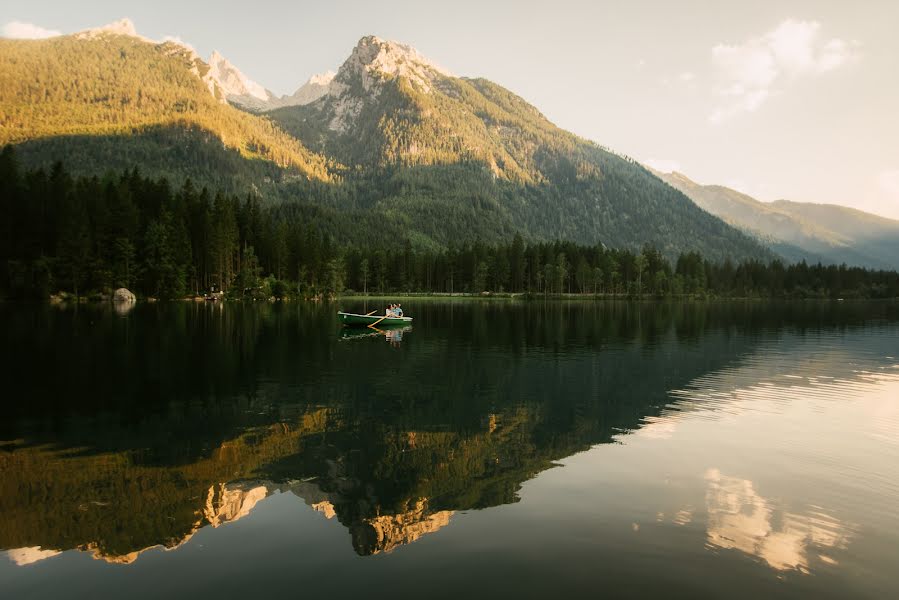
x=779, y=99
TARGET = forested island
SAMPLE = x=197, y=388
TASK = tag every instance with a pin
x=89, y=235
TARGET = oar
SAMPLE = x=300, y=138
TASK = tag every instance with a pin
x=371, y=313
x=376, y=322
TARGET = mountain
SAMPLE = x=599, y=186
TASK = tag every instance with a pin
x=312, y=90
x=393, y=138
x=236, y=86
x=825, y=233
x=457, y=158
x=241, y=91
x=108, y=98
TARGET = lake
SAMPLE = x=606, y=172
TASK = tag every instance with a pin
x=494, y=449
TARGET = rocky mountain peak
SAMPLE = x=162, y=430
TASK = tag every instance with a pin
x=233, y=82
x=373, y=57
x=317, y=86
x=322, y=78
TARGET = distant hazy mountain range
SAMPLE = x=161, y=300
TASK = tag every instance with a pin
x=800, y=230
x=390, y=138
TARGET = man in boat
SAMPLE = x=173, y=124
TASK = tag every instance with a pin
x=398, y=311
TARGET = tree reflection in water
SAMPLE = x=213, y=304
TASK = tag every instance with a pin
x=187, y=416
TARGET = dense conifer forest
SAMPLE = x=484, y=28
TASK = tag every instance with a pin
x=90, y=235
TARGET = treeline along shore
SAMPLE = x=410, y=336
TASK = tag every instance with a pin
x=90, y=235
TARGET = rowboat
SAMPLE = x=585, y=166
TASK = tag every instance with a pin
x=354, y=320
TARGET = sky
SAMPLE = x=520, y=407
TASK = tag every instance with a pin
x=779, y=99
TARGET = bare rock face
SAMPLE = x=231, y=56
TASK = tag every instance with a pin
x=384, y=533
x=360, y=79
x=309, y=92
x=237, y=87
x=123, y=295
x=228, y=503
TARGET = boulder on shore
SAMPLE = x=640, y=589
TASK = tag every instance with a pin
x=124, y=295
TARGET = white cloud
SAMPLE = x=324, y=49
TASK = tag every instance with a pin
x=664, y=165
x=743, y=101
x=889, y=182
x=749, y=71
x=27, y=31
x=836, y=53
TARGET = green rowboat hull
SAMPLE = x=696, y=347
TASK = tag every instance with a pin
x=353, y=320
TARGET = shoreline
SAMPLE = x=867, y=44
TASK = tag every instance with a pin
x=69, y=299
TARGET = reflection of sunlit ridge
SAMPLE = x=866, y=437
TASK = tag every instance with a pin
x=384, y=533
x=106, y=504
x=224, y=504
x=97, y=553
x=326, y=508
x=27, y=556
x=381, y=533
x=739, y=518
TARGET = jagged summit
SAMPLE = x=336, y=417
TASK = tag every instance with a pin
x=390, y=57
x=236, y=86
x=371, y=60
x=317, y=86
x=374, y=57
x=242, y=91
x=322, y=78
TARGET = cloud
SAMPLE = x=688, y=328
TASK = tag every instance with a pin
x=663, y=165
x=27, y=31
x=889, y=182
x=748, y=72
x=687, y=76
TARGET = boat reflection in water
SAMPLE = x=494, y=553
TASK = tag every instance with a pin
x=394, y=335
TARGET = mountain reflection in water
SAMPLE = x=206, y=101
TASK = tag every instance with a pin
x=185, y=417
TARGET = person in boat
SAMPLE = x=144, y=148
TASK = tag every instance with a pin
x=398, y=311
x=389, y=313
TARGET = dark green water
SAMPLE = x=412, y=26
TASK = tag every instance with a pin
x=496, y=449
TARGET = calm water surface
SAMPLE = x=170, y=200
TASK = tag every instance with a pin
x=496, y=449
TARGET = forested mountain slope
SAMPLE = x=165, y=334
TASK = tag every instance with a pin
x=105, y=100
x=392, y=140
x=427, y=145
x=801, y=230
